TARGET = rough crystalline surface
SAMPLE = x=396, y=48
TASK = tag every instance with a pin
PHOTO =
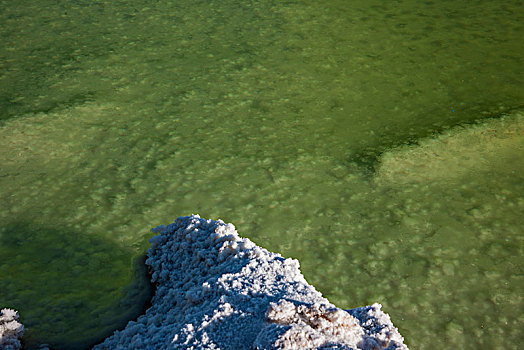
x=10, y=330
x=216, y=290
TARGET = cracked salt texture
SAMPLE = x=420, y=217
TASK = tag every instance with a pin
x=216, y=290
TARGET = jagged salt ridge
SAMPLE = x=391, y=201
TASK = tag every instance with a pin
x=216, y=290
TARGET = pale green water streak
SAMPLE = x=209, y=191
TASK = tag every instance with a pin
x=312, y=126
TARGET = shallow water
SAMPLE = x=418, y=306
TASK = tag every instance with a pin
x=381, y=144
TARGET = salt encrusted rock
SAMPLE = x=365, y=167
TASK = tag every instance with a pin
x=10, y=330
x=216, y=290
x=305, y=326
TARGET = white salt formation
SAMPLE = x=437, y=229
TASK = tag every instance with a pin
x=216, y=290
x=10, y=330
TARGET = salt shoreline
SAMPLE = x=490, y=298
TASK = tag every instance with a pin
x=217, y=290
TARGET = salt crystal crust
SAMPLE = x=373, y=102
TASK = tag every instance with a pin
x=216, y=290
x=10, y=330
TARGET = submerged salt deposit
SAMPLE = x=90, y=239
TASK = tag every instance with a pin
x=216, y=290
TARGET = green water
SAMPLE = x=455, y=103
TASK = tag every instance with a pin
x=380, y=143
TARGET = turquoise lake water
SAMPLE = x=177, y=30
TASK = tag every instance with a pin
x=380, y=143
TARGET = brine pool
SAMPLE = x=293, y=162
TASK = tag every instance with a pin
x=380, y=143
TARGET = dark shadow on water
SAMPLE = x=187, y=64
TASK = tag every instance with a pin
x=365, y=160
x=71, y=289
